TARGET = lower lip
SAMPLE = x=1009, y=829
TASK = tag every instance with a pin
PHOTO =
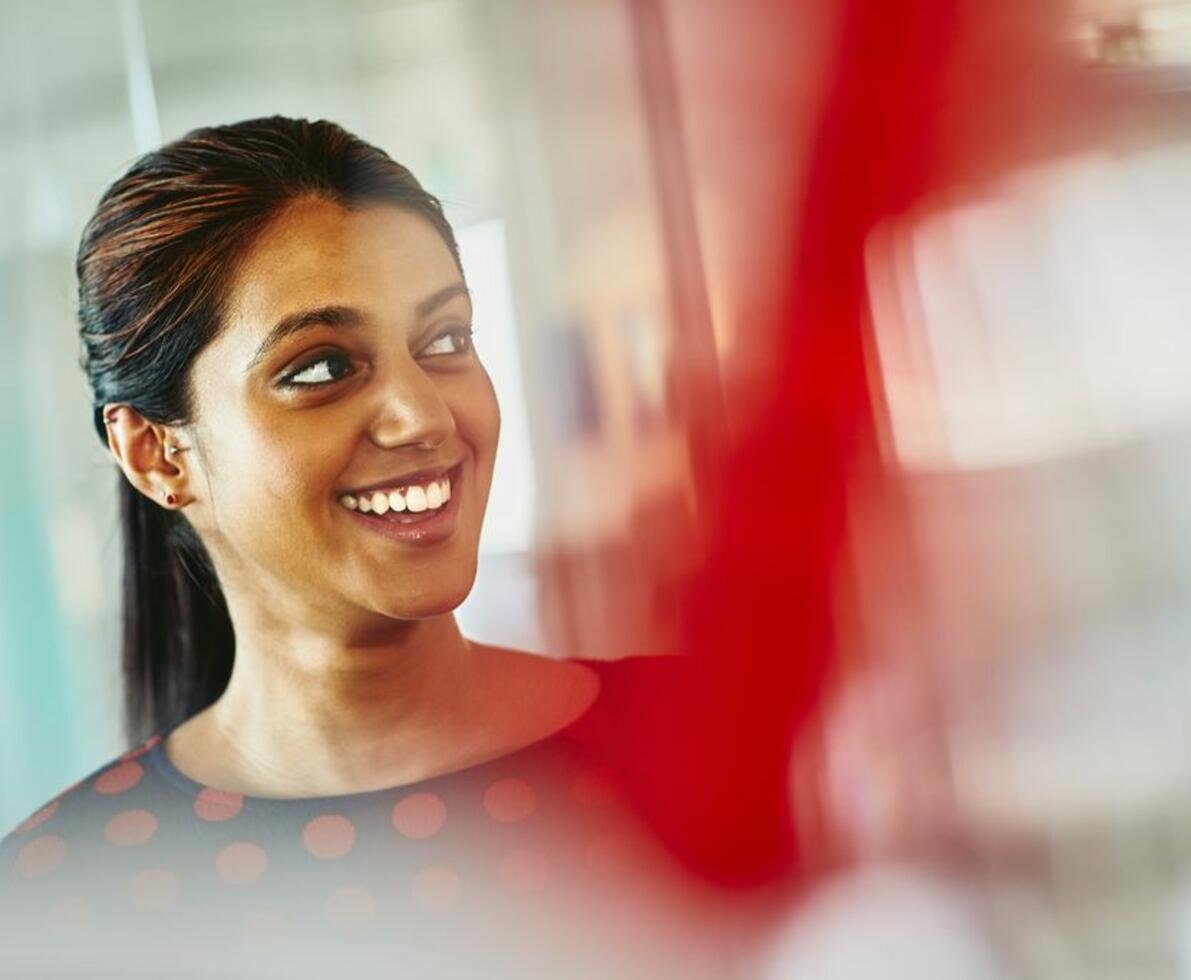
x=428, y=527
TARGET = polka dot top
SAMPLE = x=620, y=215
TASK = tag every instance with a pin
x=137, y=855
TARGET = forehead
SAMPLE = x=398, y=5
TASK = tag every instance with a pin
x=316, y=252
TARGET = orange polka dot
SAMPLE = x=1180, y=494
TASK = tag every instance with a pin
x=69, y=915
x=130, y=828
x=264, y=927
x=436, y=887
x=41, y=856
x=350, y=908
x=329, y=836
x=38, y=818
x=140, y=750
x=153, y=888
x=241, y=863
x=119, y=779
x=217, y=804
x=510, y=800
x=593, y=788
x=524, y=872
x=420, y=815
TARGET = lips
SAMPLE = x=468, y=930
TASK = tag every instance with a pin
x=415, y=498
x=425, y=527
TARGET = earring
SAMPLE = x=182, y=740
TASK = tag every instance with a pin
x=168, y=497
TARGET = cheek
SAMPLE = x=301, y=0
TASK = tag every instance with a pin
x=472, y=403
x=484, y=416
x=477, y=419
x=274, y=473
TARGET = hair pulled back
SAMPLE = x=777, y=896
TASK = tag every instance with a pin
x=154, y=265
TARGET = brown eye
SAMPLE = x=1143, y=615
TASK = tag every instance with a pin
x=457, y=341
x=322, y=370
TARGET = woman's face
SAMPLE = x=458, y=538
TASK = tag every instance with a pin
x=344, y=365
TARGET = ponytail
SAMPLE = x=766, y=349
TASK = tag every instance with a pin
x=178, y=639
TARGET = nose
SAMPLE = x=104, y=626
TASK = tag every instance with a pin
x=411, y=410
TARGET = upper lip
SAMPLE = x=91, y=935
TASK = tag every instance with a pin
x=405, y=479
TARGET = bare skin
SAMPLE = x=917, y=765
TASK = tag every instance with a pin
x=505, y=701
x=350, y=672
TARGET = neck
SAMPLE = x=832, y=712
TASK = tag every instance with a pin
x=307, y=707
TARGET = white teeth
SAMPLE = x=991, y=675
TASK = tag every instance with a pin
x=415, y=499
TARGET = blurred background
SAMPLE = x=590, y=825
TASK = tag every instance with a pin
x=869, y=327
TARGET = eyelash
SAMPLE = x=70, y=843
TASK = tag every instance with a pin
x=339, y=357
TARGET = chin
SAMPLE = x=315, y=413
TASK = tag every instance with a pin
x=429, y=604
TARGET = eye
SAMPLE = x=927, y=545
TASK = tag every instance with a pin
x=322, y=370
x=456, y=341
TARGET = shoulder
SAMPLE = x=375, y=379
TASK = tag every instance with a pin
x=636, y=677
x=627, y=692
x=627, y=669
x=76, y=802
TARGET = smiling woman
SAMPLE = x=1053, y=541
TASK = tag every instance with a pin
x=277, y=332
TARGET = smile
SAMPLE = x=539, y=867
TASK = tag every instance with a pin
x=416, y=513
x=414, y=498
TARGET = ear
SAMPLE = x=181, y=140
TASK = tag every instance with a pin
x=143, y=450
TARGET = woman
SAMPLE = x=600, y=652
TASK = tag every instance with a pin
x=277, y=332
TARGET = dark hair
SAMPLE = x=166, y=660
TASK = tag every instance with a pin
x=153, y=265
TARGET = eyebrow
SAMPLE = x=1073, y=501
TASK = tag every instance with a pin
x=344, y=316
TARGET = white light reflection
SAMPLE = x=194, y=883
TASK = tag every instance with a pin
x=1044, y=319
